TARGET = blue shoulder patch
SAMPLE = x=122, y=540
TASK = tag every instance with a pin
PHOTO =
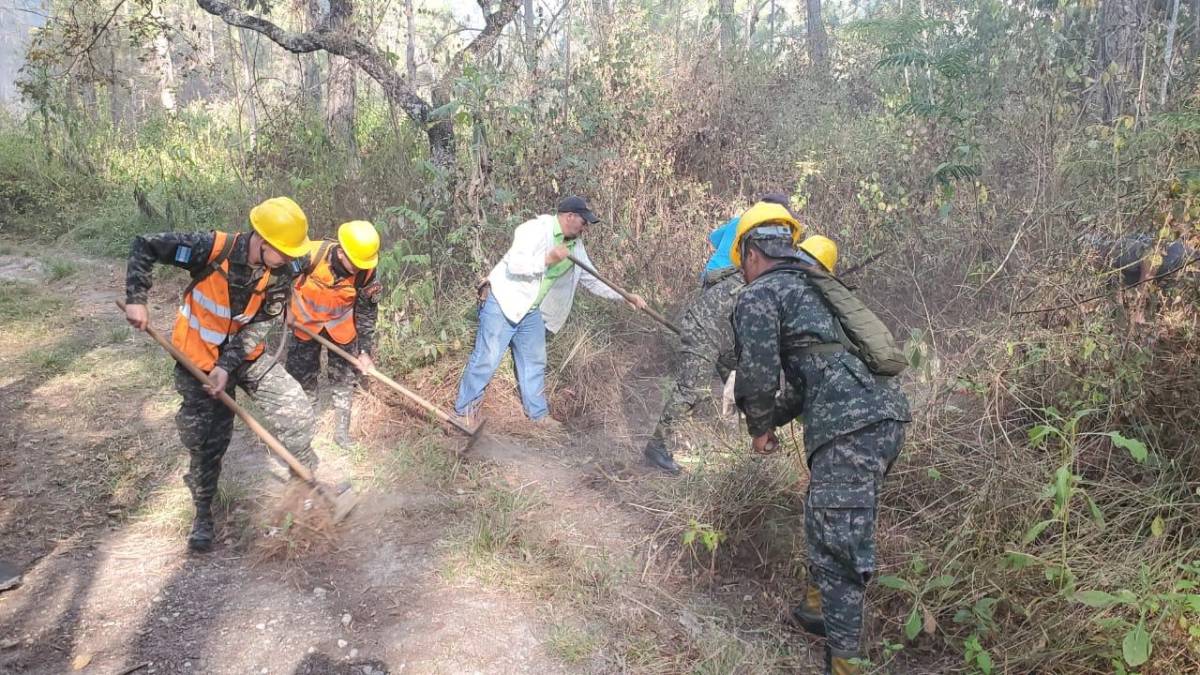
x=183, y=254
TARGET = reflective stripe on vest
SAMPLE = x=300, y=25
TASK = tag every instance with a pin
x=205, y=320
x=323, y=303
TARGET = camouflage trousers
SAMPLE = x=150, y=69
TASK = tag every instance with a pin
x=846, y=475
x=705, y=348
x=304, y=364
x=206, y=425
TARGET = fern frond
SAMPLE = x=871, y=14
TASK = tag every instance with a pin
x=948, y=172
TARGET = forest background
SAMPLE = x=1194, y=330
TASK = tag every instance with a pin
x=1047, y=511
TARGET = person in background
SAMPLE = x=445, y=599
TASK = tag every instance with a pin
x=530, y=291
x=337, y=298
x=705, y=342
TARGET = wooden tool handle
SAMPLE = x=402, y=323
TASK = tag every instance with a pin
x=625, y=294
x=374, y=372
x=261, y=431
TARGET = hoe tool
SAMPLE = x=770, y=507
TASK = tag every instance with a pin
x=624, y=294
x=471, y=434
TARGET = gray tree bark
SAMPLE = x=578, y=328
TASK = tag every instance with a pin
x=310, y=66
x=341, y=94
x=530, y=43
x=162, y=54
x=1169, y=54
x=727, y=19
x=341, y=102
x=818, y=41
x=1195, y=49
x=410, y=43
x=1118, y=57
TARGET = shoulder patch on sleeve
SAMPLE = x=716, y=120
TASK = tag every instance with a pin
x=183, y=254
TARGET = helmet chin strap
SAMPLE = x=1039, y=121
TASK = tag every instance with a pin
x=255, y=253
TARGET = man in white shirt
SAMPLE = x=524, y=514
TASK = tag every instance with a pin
x=531, y=292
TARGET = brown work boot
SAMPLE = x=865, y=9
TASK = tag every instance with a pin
x=841, y=663
x=549, y=425
x=808, y=616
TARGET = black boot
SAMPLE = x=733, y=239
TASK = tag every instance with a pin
x=808, y=615
x=341, y=433
x=658, y=456
x=201, y=538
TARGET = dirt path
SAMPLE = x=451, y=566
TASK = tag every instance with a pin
x=531, y=557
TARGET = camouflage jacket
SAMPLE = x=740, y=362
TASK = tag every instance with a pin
x=190, y=251
x=776, y=318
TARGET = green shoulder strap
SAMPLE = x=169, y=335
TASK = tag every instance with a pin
x=860, y=331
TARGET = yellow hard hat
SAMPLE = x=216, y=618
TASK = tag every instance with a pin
x=360, y=241
x=763, y=213
x=823, y=249
x=283, y=224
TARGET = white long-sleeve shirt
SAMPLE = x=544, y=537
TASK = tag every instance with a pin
x=517, y=278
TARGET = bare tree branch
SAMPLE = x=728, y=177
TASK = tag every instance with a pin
x=372, y=61
x=332, y=34
x=494, y=24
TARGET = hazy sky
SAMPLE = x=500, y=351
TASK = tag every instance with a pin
x=17, y=17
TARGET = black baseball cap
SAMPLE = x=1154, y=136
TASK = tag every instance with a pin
x=578, y=205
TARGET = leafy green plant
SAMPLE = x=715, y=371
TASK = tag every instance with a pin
x=707, y=536
x=917, y=589
x=975, y=655
x=1151, y=608
x=1066, y=486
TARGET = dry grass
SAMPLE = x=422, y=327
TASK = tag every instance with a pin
x=301, y=524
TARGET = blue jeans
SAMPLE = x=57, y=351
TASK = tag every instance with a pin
x=495, y=336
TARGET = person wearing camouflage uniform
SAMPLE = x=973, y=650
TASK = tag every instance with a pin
x=205, y=424
x=304, y=363
x=705, y=348
x=705, y=342
x=853, y=431
x=355, y=333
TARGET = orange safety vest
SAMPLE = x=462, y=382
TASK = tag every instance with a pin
x=323, y=303
x=205, y=320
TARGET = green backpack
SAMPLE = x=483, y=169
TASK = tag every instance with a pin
x=860, y=332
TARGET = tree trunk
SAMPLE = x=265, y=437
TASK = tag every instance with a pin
x=410, y=43
x=1169, y=54
x=166, y=69
x=114, y=98
x=529, y=44
x=239, y=92
x=771, y=28
x=566, y=92
x=250, y=77
x=1118, y=57
x=340, y=94
x=726, y=19
x=310, y=65
x=1194, y=52
x=340, y=100
x=818, y=41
